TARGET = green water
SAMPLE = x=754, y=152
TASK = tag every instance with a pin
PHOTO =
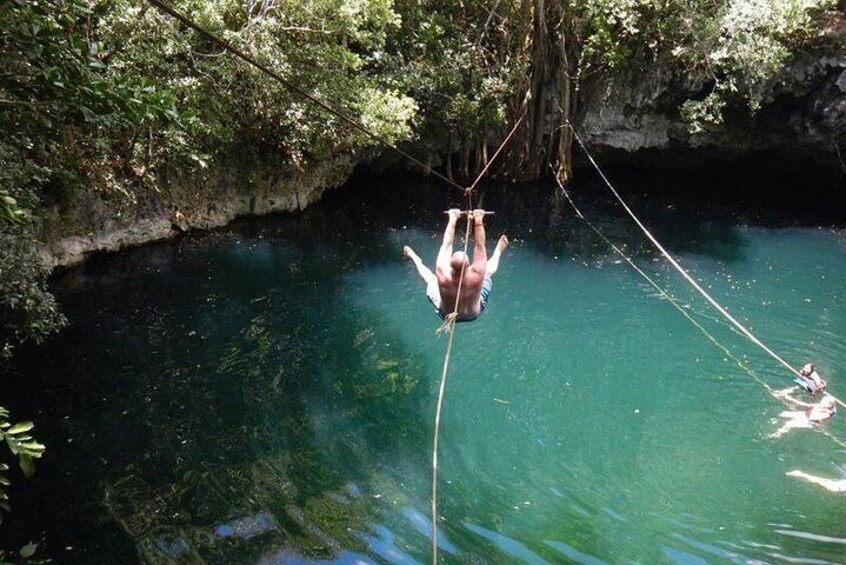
x=266, y=393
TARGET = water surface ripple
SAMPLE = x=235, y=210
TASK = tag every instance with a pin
x=265, y=393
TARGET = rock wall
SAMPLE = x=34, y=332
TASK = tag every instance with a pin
x=234, y=185
x=635, y=120
x=804, y=119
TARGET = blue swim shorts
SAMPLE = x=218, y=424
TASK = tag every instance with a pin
x=434, y=296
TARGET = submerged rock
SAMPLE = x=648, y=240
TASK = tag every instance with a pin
x=248, y=527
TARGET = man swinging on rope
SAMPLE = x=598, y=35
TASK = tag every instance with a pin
x=442, y=285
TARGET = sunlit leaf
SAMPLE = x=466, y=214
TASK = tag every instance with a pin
x=20, y=427
x=27, y=465
x=29, y=550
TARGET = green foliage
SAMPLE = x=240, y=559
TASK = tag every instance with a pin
x=743, y=45
x=9, y=208
x=27, y=310
x=460, y=72
x=611, y=31
x=101, y=96
x=25, y=448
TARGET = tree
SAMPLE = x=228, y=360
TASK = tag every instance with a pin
x=102, y=96
x=736, y=46
x=741, y=47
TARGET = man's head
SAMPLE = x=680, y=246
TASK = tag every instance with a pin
x=457, y=261
x=808, y=369
x=828, y=403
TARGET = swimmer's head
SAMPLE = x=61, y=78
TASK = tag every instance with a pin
x=808, y=369
x=828, y=402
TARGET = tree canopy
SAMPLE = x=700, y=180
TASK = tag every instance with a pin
x=100, y=97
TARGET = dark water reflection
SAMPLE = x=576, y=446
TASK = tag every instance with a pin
x=264, y=392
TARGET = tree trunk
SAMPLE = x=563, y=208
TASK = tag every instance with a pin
x=552, y=70
x=564, y=169
x=540, y=72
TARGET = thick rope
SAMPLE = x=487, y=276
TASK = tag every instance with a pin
x=663, y=293
x=448, y=325
x=678, y=307
x=496, y=154
x=293, y=88
x=748, y=334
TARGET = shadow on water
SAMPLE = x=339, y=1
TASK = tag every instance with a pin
x=540, y=215
x=202, y=383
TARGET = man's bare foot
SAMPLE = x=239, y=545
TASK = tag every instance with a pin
x=795, y=473
x=502, y=244
x=406, y=252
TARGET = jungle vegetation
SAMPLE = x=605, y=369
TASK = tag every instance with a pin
x=100, y=97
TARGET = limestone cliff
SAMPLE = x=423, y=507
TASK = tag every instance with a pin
x=635, y=120
x=802, y=121
x=232, y=186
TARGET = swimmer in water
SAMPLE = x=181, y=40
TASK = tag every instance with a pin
x=808, y=379
x=807, y=418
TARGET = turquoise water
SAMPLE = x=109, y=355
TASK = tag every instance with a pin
x=265, y=393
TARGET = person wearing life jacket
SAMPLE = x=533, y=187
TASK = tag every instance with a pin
x=810, y=380
x=812, y=415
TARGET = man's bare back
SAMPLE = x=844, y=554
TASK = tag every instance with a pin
x=442, y=285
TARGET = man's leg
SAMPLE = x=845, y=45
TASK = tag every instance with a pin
x=429, y=279
x=800, y=421
x=445, y=251
x=493, y=262
x=425, y=273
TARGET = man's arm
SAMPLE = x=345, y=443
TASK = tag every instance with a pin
x=445, y=252
x=795, y=401
x=480, y=254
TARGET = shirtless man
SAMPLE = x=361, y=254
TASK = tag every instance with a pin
x=812, y=414
x=442, y=285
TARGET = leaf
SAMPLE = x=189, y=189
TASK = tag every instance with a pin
x=29, y=550
x=20, y=427
x=33, y=446
x=27, y=466
x=13, y=445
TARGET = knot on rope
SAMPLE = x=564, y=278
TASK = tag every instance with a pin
x=449, y=322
